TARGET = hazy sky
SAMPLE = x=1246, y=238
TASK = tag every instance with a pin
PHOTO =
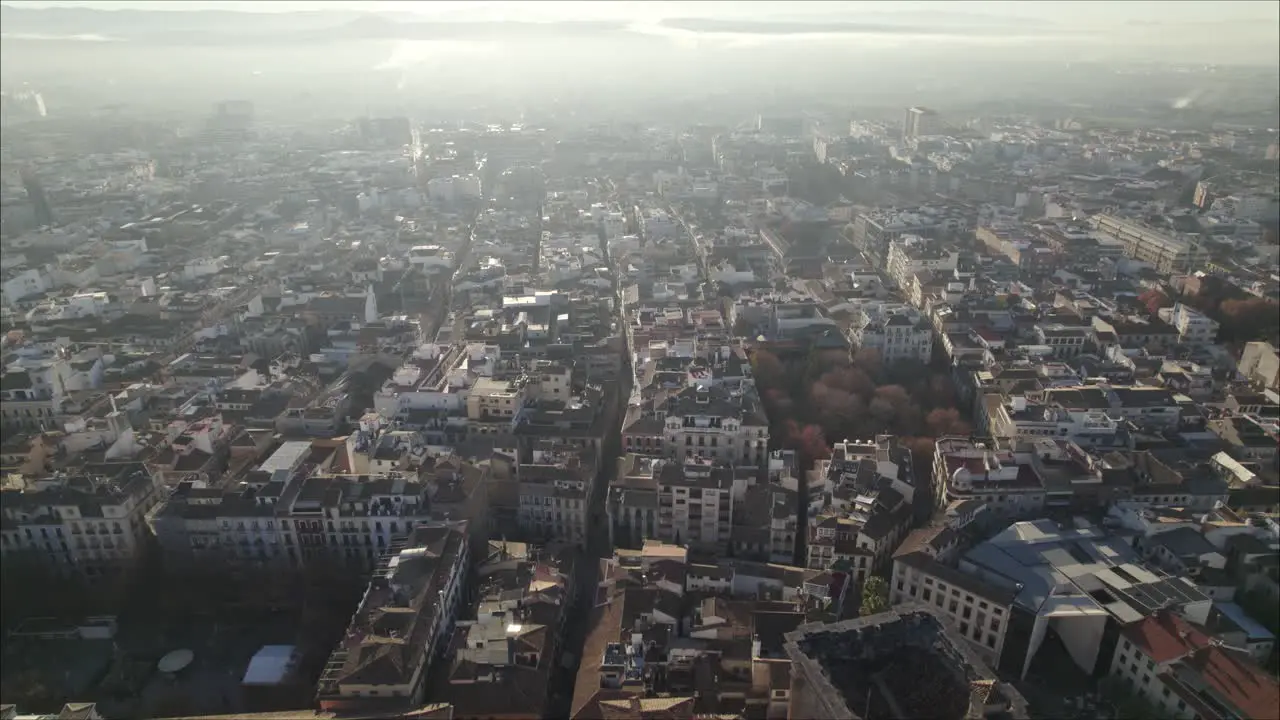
x=1067, y=13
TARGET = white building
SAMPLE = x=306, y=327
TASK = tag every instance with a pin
x=716, y=423
x=656, y=223
x=23, y=283
x=1194, y=327
x=896, y=337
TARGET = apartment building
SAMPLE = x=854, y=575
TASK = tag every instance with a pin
x=874, y=231
x=508, y=645
x=1186, y=674
x=1168, y=252
x=282, y=516
x=911, y=254
x=91, y=522
x=1260, y=363
x=980, y=611
x=695, y=503
x=897, y=337
x=1194, y=327
x=872, y=488
x=717, y=423
x=402, y=624
x=555, y=493
x=975, y=469
x=1066, y=341
x=1081, y=417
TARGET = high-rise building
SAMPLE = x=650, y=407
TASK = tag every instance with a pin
x=39, y=201
x=920, y=122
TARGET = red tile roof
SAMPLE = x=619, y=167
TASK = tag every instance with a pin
x=1237, y=678
x=1166, y=637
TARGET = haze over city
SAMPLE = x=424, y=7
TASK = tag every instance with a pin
x=682, y=360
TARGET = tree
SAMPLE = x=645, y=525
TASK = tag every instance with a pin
x=868, y=361
x=875, y=596
x=1153, y=300
x=945, y=421
x=1252, y=319
x=767, y=369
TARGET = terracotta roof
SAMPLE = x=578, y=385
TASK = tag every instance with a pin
x=1165, y=637
x=1236, y=677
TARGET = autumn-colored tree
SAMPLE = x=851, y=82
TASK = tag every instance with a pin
x=946, y=421
x=868, y=361
x=1252, y=319
x=767, y=369
x=1153, y=300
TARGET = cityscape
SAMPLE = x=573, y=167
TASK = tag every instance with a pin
x=728, y=366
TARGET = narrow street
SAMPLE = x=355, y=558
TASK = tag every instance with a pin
x=598, y=544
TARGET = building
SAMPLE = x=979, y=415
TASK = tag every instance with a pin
x=973, y=469
x=870, y=508
x=920, y=122
x=1260, y=363
x=981, y=612
x=1194, y=327
x=1077, y=587
x=284, y=517
x=896, y=337
x=91, y=523
x=716, y=423
x=695, y=504
x=1185, y=674
x=39, y=199
x=555, y=492
x=909, y=255
x=402, y=624
x=501, y=658
x=1167, y=252
x=905, y=663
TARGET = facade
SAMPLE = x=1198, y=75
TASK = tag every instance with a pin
x=695, y=504
x=555, y=493
x=1167, y=252
x=1260, y=363
x=1185, y=674
x=980, y=612
x=92, y=523
x=920, y=122
x=896, y=337
x=283, y=518
x=1194, y=327
x=718, y=424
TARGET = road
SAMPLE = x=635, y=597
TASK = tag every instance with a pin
x=598, y=545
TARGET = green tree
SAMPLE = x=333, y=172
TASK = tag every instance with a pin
x=875, y=596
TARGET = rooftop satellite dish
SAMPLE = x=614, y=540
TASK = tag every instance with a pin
x=175, y=661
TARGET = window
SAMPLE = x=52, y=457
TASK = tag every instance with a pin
x=927, y=594
x=967, y=612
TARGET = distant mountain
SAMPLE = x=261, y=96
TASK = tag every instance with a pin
x=904, y=25
x=205, y=27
